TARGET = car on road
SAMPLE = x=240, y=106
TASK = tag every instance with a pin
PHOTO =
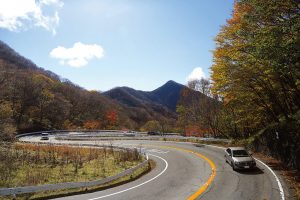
x=239, y=158
x=153, y=133
x=129, y=134
x=45, y=136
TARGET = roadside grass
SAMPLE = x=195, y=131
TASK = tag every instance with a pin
x=68, y=192
x=28, y=164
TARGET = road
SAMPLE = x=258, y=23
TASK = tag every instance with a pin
x=183, y=170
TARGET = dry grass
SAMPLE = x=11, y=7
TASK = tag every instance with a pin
x=27, y=164
x=67, y=192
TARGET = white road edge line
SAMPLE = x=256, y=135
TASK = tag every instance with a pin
x=276, y=178
x=166, y=167
x=274, y=174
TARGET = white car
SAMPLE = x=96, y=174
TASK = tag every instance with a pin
x=45, y=136
x=129, y=134
x=239, y=158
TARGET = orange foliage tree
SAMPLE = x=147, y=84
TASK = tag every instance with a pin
x=112, y=118
x=92, y=124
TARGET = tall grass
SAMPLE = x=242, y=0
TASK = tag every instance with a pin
x=28, y=164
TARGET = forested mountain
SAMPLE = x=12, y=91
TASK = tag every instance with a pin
x=168, y=94
x=32, y=98
x=164, y=97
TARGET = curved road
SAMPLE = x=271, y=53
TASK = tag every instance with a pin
x=183, y=170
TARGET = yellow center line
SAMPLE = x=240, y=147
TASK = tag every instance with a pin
x=210, y=162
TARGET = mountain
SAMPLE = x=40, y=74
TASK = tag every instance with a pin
x=164, y=97
x=17, y=61
x=168, y=94
x=35, y=99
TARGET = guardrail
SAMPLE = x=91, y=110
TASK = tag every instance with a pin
x=64, y=131
x=71, y=185
x=68, y=185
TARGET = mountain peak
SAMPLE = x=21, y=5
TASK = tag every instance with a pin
x=168, y=86
x=167, y=96
x=171, y=82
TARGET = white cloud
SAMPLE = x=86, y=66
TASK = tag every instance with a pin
x=196, y=74
x=17, y=15
x=78, y=55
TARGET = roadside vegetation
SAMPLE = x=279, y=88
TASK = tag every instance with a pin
x=27, y=164
x=255, y=82
x=67, y=192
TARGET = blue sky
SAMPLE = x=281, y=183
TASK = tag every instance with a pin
x=101, y=44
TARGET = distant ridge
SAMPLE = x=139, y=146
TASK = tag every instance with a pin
x=66, y=105
x=165, y=96
x=20, y=62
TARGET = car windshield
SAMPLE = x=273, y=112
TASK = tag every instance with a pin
x=240, y=153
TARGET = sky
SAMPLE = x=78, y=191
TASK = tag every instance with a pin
x=102, y=44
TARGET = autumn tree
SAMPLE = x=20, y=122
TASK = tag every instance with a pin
x=256, y=72
x=152, y=126
x=256, y=61
x=198, y=107
x=111, y=118
x=92, y=124
x=7, y=126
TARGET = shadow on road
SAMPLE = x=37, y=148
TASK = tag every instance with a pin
x=254, y=171
x=199, y=145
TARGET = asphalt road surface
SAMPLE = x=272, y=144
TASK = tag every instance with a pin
x=188, y=171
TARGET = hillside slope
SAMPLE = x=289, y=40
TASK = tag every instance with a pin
x=164, y=97
x=36, y=99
